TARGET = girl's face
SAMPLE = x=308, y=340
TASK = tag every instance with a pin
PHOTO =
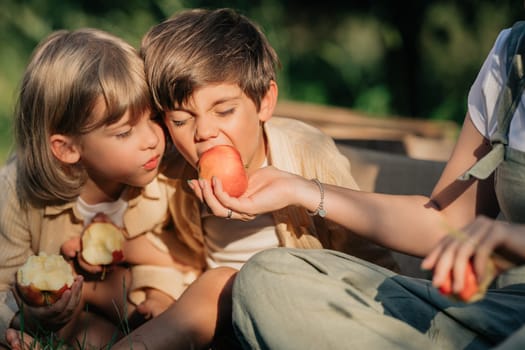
x=122, y=154
x=220, y=115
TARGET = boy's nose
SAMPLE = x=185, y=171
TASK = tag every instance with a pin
x=205, y=130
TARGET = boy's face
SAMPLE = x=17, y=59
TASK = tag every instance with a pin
x=221, y=115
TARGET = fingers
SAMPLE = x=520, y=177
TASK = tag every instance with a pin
x=445, y=262
x=11, y=335
x=71, y=251
x=215, y=198
x=58, y=313
x=431, y=259
x=488, y=242
x=224, y=198
x=483, y=239
x=145, y=310
x=63, y=309
x=76, y=293
x=70, y=248
x=195, y=186
x=87, y=267
x=451, y=255
x=17, y=341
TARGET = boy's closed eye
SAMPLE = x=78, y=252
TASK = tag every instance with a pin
x=178, y=123
x=226, y=112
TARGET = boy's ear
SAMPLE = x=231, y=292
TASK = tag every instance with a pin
x=64, y=149
x=268, y=102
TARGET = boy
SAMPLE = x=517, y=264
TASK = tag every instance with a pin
x=212, y=73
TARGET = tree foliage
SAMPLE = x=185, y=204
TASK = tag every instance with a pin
x=413, y=58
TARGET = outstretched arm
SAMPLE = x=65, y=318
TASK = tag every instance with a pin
x=373, y=215
x=411, y=224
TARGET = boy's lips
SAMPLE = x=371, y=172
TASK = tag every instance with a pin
x=152, y=163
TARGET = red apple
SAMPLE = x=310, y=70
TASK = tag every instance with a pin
x=43, y=279
x=472, y=289
x=225, y=163
x=102, y=243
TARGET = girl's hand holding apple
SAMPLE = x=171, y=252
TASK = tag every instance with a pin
x=47, y=292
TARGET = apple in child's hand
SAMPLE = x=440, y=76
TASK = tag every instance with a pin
x=102, y=243
x=472, y=290
x=225, y=163
x=43, y=279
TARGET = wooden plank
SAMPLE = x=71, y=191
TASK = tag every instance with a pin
x=422, y=139
x=341, y=121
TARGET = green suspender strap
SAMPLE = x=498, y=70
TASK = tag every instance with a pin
x=506, y=105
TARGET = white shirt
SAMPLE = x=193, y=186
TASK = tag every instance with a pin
x=232, y=242
x=114, y=210
x=484, y=94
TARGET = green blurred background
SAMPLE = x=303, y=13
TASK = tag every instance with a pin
x=412, y=58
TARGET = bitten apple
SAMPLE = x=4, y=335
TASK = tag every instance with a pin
x=102, y=243
x=225, y=163
x=43, y=279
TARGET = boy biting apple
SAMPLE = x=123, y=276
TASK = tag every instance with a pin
x=213, y=75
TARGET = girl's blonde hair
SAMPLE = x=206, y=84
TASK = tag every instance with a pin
x=68, y=73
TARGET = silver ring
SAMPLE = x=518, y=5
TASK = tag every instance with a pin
x=229, y=215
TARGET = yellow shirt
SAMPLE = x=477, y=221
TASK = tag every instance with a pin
x=25, y=232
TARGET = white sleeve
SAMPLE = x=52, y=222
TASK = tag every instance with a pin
x=8, y=309
x=487, y=86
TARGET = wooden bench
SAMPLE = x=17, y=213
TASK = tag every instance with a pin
x=383, y=172
x=416, y=138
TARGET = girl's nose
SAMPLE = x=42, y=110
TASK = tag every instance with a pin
x=151, y=135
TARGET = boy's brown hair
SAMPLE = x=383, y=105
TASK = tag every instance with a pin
x=200, y=47
x=69, y=72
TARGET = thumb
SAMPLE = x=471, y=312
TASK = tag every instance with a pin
x=71, y=248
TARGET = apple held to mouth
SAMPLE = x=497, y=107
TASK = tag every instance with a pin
x=225, y=163
x=43, y=279
x=102, y=243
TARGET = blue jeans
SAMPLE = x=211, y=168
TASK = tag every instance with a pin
x=321, y=299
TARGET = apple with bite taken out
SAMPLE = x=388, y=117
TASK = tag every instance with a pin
x=225, y=163
x=43, y=279
x=102, y=243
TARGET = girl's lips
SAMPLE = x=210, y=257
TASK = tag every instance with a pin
x=152, y=163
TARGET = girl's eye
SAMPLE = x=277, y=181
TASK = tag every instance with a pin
x=124, y=134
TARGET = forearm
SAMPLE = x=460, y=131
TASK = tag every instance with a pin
x=410, y=224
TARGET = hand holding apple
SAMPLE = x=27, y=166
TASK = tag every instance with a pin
x=102, y=243
x=43, y=279
x=472, y=289
x=225, y=163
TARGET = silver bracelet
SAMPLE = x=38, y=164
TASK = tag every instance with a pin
x=320, y=208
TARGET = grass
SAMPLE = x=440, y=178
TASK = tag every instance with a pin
x=44, y=339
